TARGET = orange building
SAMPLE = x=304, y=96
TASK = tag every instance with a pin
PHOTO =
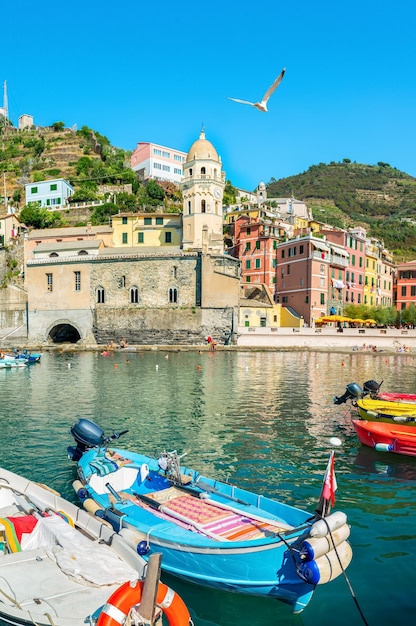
x=255, y=244
x=406, y=285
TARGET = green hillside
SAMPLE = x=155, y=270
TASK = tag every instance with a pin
x=86, y=159
x=379, y=197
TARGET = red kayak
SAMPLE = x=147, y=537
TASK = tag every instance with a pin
x=397, y=397
x=386, y=437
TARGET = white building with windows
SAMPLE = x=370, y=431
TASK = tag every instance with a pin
x=152, y=161
x=51, y=194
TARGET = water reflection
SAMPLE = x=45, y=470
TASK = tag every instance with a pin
x=264, y=421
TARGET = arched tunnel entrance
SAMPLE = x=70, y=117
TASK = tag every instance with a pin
x=64, y=333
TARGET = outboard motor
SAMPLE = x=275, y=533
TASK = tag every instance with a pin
x=353, y=391
x=88, y=435
x=372, y=387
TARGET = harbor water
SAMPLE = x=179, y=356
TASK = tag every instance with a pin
x=262, y=420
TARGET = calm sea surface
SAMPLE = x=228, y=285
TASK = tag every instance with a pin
x=262, y=420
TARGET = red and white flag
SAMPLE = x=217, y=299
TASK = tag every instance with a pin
x=330, y=481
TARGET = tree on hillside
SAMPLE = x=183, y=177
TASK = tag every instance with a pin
x=230, y=194
x=38, y=217
x=155, y=193
x=102, y=214
x=126, y=201
x=57, y=126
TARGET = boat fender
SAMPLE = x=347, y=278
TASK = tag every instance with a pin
x=383, y=447
x=313, y=548
x=329, y=524
x=401, y=419
x=135, y=540
x=327, y=567
x=142, y=548
x=372, y=414
x=92, y=507
x=79, y=489
x=119, y=604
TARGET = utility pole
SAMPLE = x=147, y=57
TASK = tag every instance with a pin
x=5, y=101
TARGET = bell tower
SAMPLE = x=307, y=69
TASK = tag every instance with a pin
x=203, y=188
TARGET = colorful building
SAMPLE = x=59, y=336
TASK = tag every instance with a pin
x=143, y=230
x=406, y=285
x=10, y=228
x=353, y=242
x=372, y=253
x=52, y=194
x=153, y=161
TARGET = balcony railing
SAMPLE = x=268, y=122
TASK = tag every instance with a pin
x=339, y=261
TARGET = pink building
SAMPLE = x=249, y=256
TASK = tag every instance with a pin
x=354, y=243
x=255, y=244
x=303, y=277
x=152, y=161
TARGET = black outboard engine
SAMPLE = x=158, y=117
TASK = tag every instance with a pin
x=353, y=391
x=86, y=435
x=372, y=387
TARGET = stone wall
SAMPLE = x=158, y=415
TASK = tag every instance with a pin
x=176, y=326
x=12, y=307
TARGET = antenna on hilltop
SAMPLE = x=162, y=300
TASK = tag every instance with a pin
x=5, y=101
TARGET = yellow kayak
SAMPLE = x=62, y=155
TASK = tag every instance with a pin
x=387, y=411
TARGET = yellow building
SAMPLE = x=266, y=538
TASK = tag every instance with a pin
x=257, y=309
x=144, y=230
x=372, y=253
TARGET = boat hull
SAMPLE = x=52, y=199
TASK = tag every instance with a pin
x=394, y=438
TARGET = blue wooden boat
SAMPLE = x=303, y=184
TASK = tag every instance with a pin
x=209, y=532
x=30, y=357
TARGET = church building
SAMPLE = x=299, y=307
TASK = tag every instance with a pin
x=170, y=292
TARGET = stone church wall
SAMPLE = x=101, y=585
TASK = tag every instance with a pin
x=179, y=326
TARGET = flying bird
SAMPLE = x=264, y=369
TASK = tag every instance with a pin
x=262, y=105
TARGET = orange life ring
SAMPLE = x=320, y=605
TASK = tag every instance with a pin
x=118, y=606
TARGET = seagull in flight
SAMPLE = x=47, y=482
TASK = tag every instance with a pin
x=262, y=105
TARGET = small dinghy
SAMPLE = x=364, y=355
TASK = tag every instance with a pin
x=62, y=566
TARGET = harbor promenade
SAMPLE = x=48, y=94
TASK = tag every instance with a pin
x=329, y=338
x=263, y=339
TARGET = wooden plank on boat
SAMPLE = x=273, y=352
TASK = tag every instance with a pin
x=150, y=587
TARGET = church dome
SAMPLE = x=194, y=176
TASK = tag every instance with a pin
x=202, y=149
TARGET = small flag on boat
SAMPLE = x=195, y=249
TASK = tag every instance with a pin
x=330, y=481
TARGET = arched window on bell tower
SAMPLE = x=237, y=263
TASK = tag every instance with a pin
x=203, y=206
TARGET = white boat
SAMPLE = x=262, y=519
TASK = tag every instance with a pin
x=62, y=566
x=7, y=361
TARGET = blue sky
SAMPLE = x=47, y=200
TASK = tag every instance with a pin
x=157, y=71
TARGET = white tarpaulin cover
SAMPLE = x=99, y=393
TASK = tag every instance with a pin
x=80, y=558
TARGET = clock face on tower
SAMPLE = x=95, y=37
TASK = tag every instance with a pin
x=217, y=193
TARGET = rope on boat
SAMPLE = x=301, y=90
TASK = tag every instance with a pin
x=10, y=598
x=354, y=597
